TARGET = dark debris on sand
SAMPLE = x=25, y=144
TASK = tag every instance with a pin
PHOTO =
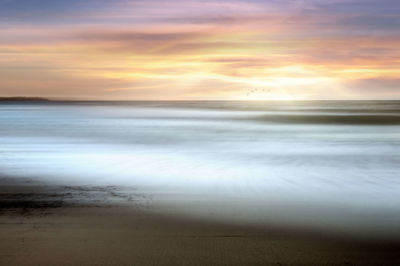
x=27, y=197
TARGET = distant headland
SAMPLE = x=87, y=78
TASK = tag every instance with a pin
x=23, y=99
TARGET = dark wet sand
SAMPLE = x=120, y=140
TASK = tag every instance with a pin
x=46, y=225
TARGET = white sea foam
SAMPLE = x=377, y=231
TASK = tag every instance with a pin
x=219, y=163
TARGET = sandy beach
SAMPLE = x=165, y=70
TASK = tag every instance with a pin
x=52, y=225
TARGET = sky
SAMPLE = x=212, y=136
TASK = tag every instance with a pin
x=200, y=49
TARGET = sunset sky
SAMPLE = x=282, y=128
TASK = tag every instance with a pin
x=200, y=50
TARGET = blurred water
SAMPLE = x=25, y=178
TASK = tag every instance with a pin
x=327, y=165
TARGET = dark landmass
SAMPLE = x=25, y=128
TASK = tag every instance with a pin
x=23, y=99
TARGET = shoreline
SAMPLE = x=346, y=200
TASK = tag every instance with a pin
x=86, y=227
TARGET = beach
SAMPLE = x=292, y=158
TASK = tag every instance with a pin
x=200, y=183
x=45, y=225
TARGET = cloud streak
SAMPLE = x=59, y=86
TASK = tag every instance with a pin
x=200, y=49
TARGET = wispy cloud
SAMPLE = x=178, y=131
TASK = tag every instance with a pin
x=200, y=49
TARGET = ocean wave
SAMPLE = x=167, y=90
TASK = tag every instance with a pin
x=332, y=119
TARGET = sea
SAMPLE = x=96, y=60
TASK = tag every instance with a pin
x=329, y=166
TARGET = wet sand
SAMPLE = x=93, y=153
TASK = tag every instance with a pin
x=63, y=225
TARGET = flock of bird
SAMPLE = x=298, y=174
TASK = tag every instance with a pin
x=258, y=90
